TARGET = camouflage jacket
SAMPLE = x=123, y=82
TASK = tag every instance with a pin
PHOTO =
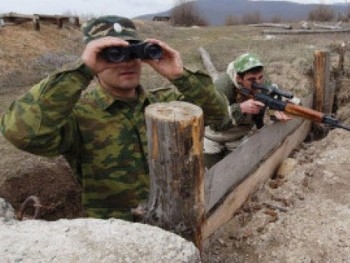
x=103, y=138
x=225, y=85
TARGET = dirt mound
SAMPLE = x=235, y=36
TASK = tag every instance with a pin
x=27, y=55
x=303, y=217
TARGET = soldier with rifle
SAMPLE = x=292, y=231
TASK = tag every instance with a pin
x=246, y=113
x=249, y=95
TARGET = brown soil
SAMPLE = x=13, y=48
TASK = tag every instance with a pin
x=51, y=180
x=26, y=56
x=302, y=217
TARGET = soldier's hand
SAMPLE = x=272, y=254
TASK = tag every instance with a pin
x=170, y=64
x=251, y=106
x=91, y=54
x=281, y=116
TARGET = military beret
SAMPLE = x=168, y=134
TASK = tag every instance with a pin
x=115, y=26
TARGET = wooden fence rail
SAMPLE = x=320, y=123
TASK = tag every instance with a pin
x=36, y=19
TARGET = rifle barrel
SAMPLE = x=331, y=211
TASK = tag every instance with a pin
x=334, y=122
x=344, y=127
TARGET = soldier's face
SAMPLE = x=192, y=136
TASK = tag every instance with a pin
x=249, y=78
x=123, y=78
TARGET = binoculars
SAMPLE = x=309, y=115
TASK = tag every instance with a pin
x=143, y=50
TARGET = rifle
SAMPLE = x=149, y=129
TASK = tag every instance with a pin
x=272, y=96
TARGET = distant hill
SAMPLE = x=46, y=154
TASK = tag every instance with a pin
x=215, y=11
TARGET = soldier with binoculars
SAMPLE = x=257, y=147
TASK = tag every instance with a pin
x=102, y=132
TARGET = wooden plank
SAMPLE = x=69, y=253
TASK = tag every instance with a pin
x=304, y=32
x=14, y=18
x=58, y=19
x=13, y=15
x=240, y=194
x=235, y=167
x=283, y=26
x=335, y=27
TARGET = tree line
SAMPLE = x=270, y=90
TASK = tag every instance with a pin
x=185, y=13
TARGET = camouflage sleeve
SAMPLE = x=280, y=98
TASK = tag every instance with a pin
x=198, y=89
x=38, y=122
x=236, y=113
x=225, y=85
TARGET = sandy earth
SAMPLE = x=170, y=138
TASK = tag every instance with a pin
x=303, y=217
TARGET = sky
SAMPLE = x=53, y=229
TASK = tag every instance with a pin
x=126, y=8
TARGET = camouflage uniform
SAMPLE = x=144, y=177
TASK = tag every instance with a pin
x=102, y=137
x=218, y=143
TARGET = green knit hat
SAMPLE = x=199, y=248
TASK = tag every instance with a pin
x=115, y=26
x=246, y=62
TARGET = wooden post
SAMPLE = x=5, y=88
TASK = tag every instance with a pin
x=324, y=93
x=75, y=21
x=36, y=23
x=341, y=51
x=59, y=21
x=208, y=64
x=175, y=133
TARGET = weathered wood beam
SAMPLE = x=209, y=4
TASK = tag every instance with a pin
x=284, y=26
x=213, y=73
x=335, y=27
x=238, y=165
x=304, y=32
x=59, y=20
x=13, y=15
x=323, y=90
x=14, y=18
x=265, y=170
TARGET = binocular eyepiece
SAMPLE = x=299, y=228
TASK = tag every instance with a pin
x=143, y=50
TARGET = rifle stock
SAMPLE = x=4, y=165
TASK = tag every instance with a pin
x=306, y=113
x=312, y=115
